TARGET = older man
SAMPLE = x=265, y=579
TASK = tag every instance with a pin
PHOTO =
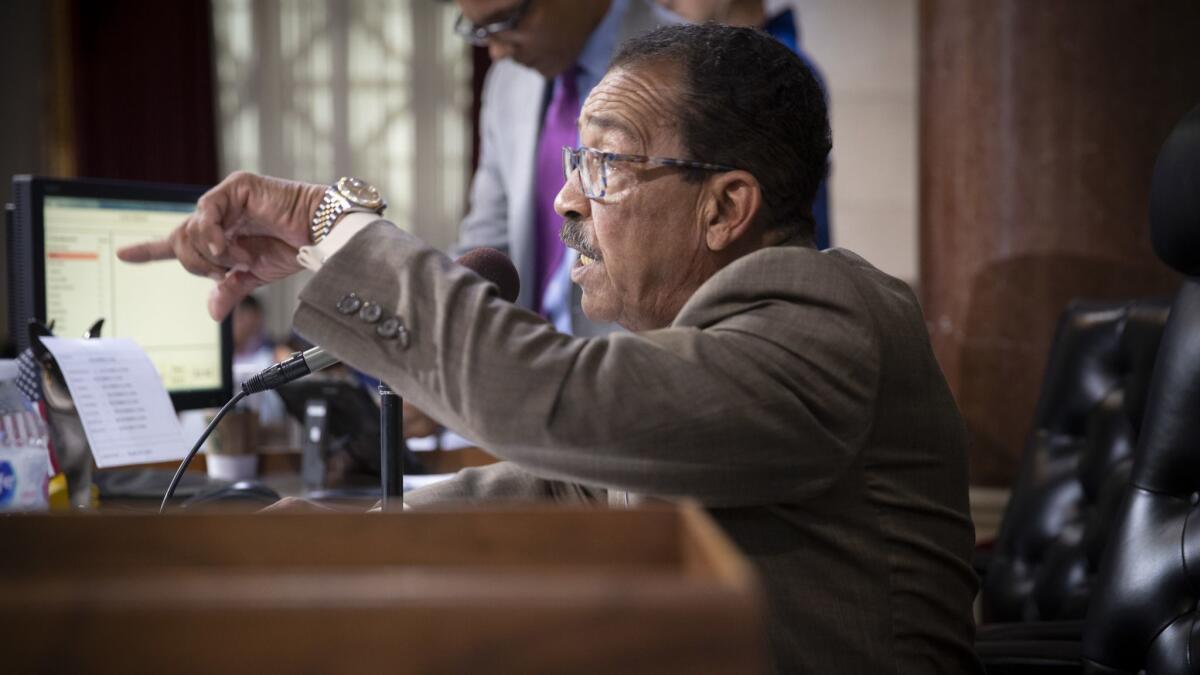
x=791, y=391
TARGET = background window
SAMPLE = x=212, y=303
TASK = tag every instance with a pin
x=317, y=90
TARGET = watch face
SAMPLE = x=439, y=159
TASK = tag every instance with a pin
x=360, y=193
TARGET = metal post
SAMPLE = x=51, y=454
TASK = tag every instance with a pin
x=391, y=448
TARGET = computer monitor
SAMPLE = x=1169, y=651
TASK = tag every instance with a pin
x=63, y=266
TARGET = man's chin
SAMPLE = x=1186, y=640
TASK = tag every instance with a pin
x=597, y=312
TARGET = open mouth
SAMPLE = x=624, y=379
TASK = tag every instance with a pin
x=574, y=237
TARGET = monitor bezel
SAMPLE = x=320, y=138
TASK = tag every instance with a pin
x=91, y=188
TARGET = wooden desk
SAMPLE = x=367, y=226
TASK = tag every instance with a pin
x=519, y=590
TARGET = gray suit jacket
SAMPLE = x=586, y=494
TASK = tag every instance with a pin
x=501, y=213
x=795, y=395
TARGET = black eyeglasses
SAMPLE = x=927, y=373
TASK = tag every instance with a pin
x=479, y=35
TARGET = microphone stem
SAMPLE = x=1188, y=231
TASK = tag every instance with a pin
x=391, y=448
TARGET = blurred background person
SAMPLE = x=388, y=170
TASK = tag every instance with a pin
x=252, y=347
x=254, y=350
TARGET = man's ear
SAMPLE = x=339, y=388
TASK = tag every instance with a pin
x=736, y=198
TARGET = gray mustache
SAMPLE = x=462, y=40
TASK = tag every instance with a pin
x=573, y=236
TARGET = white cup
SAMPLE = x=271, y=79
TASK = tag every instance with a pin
x=232, y=467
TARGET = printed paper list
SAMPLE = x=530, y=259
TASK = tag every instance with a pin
x=126, y=412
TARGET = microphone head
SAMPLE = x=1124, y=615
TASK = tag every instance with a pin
x=496, y=268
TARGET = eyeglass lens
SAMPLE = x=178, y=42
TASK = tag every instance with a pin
x=480, y=34
x=590, y=165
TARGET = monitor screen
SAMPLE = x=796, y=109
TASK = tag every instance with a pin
x=77, y=227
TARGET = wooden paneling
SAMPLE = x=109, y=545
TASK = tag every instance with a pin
x=517, y=590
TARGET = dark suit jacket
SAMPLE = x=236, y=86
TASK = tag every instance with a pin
x=795, y=395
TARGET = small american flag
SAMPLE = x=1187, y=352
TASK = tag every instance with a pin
x=19, y=427
x=29, y=379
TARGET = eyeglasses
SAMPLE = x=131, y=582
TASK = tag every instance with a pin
x=593, y=167
x=479, y=35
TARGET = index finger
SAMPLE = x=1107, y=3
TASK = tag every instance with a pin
x=147, y=251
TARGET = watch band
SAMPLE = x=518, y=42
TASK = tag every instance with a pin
x=334, y=205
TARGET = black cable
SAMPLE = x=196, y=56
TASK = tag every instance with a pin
x=196, y=448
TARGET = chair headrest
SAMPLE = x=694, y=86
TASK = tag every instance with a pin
x=1175, y=198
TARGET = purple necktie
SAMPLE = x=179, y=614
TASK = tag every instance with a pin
x=558, y=129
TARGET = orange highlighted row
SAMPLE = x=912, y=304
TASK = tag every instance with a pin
x=72, y=255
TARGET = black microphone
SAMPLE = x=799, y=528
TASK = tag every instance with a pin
x=300, y=364
x=495, y=267
x=488, y=263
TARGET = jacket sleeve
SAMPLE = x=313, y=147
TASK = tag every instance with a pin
x=503, y=481
x=718, y=413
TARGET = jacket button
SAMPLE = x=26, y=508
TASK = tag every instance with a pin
x=349, y=303
x=389, y=328
x=370, y=312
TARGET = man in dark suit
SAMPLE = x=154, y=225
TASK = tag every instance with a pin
x=792, y=392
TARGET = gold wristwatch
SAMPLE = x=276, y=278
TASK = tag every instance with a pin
x=347, y=195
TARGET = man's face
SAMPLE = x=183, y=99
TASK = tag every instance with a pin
x=247, y=325
x=538, y=40
x=642, y=246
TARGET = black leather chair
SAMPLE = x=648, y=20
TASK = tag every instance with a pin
x=1143, y=615
x=1062, y=585
x=1083, y=427
x=1094, y=478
